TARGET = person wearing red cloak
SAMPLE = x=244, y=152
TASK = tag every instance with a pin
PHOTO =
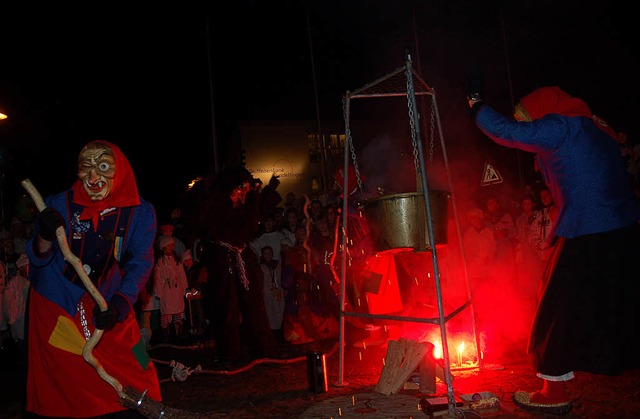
x=112, y=230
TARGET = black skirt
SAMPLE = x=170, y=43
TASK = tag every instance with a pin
x=588, y=317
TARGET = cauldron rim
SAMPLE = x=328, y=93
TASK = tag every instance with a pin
x=401, y=195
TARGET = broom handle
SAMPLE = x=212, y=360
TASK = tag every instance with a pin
x=87, y=350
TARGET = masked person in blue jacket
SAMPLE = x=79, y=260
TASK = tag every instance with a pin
x=111, y=229
x=586, y=319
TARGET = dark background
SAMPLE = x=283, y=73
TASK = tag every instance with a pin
x=144, y=79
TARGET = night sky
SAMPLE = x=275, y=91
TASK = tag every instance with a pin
x=142, y=80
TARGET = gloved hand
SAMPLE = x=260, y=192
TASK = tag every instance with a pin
x=474, y=81
x=475, y=89
x=48, y=221
x=107, y=319
x=475, y=105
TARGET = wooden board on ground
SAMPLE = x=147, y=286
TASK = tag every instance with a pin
x=403, y=357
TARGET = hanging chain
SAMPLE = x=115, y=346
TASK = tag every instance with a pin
x=351, y=148
x=432, y=129
x=412, y=120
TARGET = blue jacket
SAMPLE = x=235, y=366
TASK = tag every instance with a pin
x=581, y=165
x=119, y=261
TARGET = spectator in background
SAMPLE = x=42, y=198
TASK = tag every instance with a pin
x=269, y=236
x=292, y=221
x=10, y=257
x=177, y=221
x=196, y=278
x=278, y=218
x=273, y=291
x=22, y=223
x=316, y=211
x=296, y=263
x=529, y=264
x=480, y=251
x=290, y=201
x=167, y=230
x=332, y=215
x=504, y=231
x=15, y=299
x=479, y=246
x=170, y=285
x=4, y=326
x=503, y=279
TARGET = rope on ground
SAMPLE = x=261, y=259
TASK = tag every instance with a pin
x=180, y=372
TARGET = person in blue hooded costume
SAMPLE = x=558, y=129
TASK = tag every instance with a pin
x=586, y=318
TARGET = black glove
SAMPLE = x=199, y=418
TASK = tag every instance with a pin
x=475, y=84
x=117, y=309
x=475, y=89
x=105, y=319
x=49, y=220
x=475, y=106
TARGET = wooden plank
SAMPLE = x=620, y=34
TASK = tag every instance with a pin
x=403, y=357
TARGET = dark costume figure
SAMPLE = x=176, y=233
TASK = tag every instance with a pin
x=111, y=229
x=586, y=319
x=301, y=323
x=233, y=294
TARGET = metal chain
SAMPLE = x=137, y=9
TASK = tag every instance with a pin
x=237, y=255
x=83, y=321
x=432, y=130
x=412, y=122
x=351, y=148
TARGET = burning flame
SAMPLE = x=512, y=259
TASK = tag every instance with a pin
x=437, y=352
x=460, y=349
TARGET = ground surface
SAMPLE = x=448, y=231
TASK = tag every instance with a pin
x=280, y=388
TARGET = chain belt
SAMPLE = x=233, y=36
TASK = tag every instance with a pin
x=237, y=252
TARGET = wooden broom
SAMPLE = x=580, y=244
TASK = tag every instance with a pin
x=129, y=397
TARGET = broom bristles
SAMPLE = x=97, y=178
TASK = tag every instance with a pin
x=153, y=409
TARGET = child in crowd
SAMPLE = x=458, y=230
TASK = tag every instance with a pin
x=195, y=278
x=170, y=284
x=15, y=299
x=273, y=292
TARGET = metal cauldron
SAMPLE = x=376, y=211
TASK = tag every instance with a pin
x=400, y=222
